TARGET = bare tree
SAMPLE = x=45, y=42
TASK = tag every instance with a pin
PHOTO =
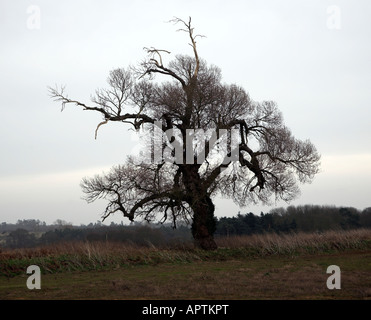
x=269, y=163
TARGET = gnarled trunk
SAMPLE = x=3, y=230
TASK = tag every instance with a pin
x=204, y=224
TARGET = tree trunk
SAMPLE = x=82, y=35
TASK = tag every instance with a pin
x=204, y=224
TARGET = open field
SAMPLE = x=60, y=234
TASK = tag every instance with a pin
x=251, y=267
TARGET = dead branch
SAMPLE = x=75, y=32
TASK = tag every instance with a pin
x=189, y=29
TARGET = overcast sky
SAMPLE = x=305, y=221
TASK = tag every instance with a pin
x=312, y=57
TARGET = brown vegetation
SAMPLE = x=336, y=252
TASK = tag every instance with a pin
x=268, y=266
x=83, y=256
x=288, y=243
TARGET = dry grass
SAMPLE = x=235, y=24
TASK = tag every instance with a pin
x=272, y=243
x=83, y=256
x=269, y=266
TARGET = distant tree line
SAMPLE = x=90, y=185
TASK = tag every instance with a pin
x=143, y=235
x=308, y=218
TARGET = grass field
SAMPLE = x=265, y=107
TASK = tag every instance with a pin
x=251, y=267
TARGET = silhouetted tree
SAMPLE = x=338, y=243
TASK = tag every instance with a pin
x=262, y=157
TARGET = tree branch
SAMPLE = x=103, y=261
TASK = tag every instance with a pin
x=139, y=118
x=189, y=29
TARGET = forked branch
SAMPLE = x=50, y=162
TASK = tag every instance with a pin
x=135, y=119
x=189, y=29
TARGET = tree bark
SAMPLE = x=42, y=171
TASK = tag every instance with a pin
x=204, y=224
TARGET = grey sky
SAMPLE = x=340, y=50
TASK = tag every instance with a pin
x=309, y=57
